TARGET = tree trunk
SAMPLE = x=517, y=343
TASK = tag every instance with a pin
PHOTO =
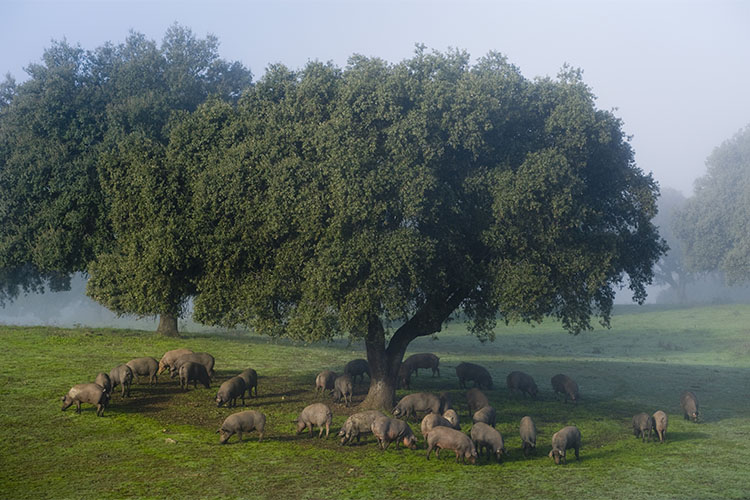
x=385, y=362
x=168, y=325
x=382, y=392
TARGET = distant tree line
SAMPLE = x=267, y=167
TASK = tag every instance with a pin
x=708, y=233
x=373, y=200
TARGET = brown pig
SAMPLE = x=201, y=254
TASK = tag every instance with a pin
x=445, y=438
x=86, y=393
x=388, y=430
x=244, y=421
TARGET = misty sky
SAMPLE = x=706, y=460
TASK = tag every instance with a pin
x=678, y=72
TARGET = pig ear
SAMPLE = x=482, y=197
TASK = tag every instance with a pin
x=550, y=454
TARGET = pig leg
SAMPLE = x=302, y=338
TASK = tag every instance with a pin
x=78, y=407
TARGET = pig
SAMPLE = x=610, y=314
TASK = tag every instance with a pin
x=357, y=425
x=476, y=400
x=565, y=439
x=103, y=380
x=488, y=438
x=432, y=420
x=485, y=415
x=250, y=377
x=324, y=381
x=121, y=375
x=404, y=376
x=229, y=391
x=642, y=423
x=478, y=374
x=451, y=416
x=315, y=414
x=343, y=388
x=567, y=386
x=417, y=402
x=660, y=421
x=144, y=367
x=388, y=430
x=446, y=438
x=528, y=435
x=86, y=393
x=244, y=421
x=194, y=372
x=423, y=360
x=689, y=404
x=169, y=357
x=357, y=368
x=522, y=382
x=203, y=358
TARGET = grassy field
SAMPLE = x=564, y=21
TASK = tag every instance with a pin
x=161, y=442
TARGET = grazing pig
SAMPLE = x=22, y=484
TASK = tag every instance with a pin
x=229, y=391
x=567, y=386
x=476, y=400
x=194, y=372
x=121, y=375
x=404, y=376
x=451, y=416
x=315, y=414
x=103, y=380
x=423, y=360
x=478, y=374
x=357, y=368
x=169, y=357
x=250, y=377
x=419, y=401
x=641, y=424
x=565, y=439
x=325, y=380
x=388, y=430
x=660, y=422
x=522, y=382
x=358, y=424
x=203, y=358
x=244, y=421
x=689, y=404
x=445, y=438
x=432, y=420
x=485, y=415
x=343, y=387
x=486, y=437
x=528, y=435
x=144, y=367
x=86, y=393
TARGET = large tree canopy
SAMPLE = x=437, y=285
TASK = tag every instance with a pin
x=714, y=224
x=377, y=199
x=84, y=183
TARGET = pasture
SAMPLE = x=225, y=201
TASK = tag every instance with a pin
x=161, y=442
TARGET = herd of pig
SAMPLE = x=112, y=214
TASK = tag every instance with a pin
x=440, y=426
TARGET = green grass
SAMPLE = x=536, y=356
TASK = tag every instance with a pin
x=641, y=364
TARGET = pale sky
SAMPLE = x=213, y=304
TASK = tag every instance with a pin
x=678, y=72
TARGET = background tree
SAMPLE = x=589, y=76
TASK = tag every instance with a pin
x=671, y=270
x=88, y=186
x=379, y=199
x=714, y=223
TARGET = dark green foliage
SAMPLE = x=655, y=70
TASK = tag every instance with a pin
x=714, y=223
x=345, y=201
x=86, y=183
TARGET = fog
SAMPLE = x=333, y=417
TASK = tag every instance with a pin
x=74, y=309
